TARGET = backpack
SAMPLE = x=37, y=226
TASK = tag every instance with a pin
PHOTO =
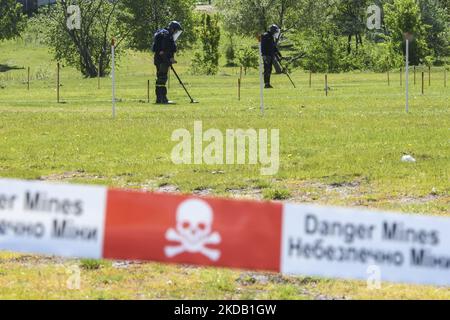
x=157, y=40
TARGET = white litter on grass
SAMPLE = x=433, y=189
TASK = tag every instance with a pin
x=408, y=159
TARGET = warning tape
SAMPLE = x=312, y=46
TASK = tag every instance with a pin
x=97, y=222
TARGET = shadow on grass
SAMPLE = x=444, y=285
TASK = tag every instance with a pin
x=6, y=68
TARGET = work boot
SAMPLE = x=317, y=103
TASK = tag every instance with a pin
x=159, y=97
x=267, y=81
x=164, y=97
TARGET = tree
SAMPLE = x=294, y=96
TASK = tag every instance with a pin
x=252, y=17
x=12, y=20
x=403, y=16
x=140, y=19
x=436, y=17
x=206, y=60
x=248, y=58
x=324, y=49
x=350, y=17
x=88, y=48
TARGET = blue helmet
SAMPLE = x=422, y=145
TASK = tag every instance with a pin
x=175, y=26
x=274, y=29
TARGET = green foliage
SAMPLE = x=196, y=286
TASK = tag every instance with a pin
x=437, y=34
x=230, y=51
x=140, y=19
x=206, y=59
x=385, y=57
x=276, y=194
x=89, y=47
x=252, y=17
x=350, y=16
x=92, y=264
x=12, y=21
x=248, y=58
x=334, y=36
x=324, y=49
x=404, y=16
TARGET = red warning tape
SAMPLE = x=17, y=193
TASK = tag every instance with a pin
x=94, y=222
x=237, y=234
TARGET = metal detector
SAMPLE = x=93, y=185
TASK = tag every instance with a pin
x=182, y=84
x=286, y=73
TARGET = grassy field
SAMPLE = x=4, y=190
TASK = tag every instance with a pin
x=344, y=149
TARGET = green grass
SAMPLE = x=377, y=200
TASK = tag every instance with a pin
x=344, y=149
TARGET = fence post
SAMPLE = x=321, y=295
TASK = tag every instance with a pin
x=310, y=78
x=388, y=78
x=239, y=89
x=326, y=85
x=414, y=75
x=148, y=91
x=423, y=82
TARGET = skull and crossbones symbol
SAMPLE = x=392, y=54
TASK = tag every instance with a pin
x=193, y=231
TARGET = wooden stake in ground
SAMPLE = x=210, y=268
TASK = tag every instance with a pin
x=240, y=73
x=148, y=91
x=28, y=79
x=423, y=82
x=401, y=77
x=326, y=85
x=310, y=78
x=388, y=78
x=239, y=89
x=414, y=75
x=57, y=81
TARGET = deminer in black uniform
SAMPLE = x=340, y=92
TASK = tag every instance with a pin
x=164, y=47
x=270, y=52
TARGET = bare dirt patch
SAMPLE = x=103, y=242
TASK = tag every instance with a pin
x=314, y=191
x=69, y=175
x=246, y=193
x=252, y=278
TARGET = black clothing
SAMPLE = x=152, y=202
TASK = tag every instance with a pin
x=164, y=48
x=268, y=64
x=162, y=71
x=269, y=51
x=268, y=45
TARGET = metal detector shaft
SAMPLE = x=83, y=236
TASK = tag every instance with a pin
x=287, y=74
x=182, y=84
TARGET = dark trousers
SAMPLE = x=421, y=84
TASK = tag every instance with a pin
x=268, y=64
x=162, y=70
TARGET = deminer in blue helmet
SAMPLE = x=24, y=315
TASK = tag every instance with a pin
x=270, y=52
x=164, y=48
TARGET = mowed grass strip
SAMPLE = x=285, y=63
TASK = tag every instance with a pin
x=344, y=149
